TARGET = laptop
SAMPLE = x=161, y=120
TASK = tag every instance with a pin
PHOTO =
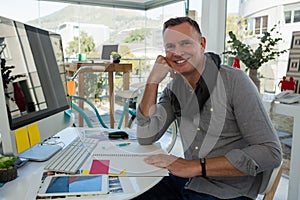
x=106, y=52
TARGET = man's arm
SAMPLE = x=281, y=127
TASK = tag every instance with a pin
x=218, y=166
x=153, y=119
x=160, y=70
x=149, y=99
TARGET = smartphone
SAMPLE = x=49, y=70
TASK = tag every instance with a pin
x=70, y=185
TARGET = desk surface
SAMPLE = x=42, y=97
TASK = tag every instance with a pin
x=29, y=179
x=110, y=67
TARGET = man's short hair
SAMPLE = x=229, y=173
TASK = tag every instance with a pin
x=179, y=20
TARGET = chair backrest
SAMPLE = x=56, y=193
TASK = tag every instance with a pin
x=270, y=182
x=84, y=115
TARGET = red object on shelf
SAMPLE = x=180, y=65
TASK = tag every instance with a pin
x=236, y=63
x=19, y=97
x=291, y=84
x=283, y=84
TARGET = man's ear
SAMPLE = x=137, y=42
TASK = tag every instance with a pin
x=203, y=42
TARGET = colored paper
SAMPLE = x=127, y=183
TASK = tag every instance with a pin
x=34, y=134
x=99, y=167
x=85, y=172
x=22, y=139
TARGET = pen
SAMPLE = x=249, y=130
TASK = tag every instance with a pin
x=122, y=144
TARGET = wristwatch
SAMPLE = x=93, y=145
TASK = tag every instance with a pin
x=203, y=166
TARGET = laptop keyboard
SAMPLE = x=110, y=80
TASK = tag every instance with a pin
x=71, y=158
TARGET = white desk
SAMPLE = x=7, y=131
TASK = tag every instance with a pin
x=292, y=110
x=29, y=179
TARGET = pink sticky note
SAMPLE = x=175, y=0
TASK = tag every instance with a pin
x=99, y=167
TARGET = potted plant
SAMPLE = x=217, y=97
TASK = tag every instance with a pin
x=255, y=58
x=116, y=57
x=8, y=170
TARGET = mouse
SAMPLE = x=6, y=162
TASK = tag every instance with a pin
x=118, y=135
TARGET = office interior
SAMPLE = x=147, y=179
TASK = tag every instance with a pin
x=125, y=21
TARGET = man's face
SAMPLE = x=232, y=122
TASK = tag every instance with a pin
x=184, y=48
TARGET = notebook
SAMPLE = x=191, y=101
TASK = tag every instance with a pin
x=128, y=160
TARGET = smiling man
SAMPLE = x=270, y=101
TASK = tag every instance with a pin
x=227, y=136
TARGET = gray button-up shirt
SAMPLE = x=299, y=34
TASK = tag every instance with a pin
x=232, y=122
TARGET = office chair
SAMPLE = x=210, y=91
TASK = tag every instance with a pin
x=270, y=182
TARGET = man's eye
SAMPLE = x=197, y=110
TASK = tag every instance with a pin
x=184, y=43
x=170, y=47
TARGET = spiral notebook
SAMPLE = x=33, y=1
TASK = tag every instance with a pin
x=128, y=160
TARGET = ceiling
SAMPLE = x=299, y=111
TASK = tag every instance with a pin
x=128, y=4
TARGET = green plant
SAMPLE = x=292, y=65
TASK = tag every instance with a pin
x=7, y=161
x=254, y=59
x=8, y=170
x=115, y=55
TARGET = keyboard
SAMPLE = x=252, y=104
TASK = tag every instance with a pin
x=71, y=158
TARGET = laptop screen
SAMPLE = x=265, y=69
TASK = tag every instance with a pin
x=107, y=49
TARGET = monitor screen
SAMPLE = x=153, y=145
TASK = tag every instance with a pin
x=33, y=74
x=107, y=49
x=39, y=91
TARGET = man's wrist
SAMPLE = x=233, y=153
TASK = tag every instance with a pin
x=153, y=81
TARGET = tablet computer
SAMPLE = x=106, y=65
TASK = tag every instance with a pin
x=69, y=185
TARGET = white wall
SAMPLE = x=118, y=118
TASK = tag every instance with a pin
x=213, y=24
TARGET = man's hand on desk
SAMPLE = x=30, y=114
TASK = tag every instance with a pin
x=176, y=165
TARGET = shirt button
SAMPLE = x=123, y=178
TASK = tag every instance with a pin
x=196, y=147
x=211, y=109
x=198, y=129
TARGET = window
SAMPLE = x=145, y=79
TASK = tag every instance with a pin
x=261, y=24
x=257, y=25
x=297, y=16
x=264, y=27
x=288, y=16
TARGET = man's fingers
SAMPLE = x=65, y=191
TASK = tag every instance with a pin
x=170, y=63
x=161, y=160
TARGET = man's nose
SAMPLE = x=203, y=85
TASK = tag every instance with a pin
x=178, y=51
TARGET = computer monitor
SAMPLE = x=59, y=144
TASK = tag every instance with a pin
x=107, y=49
x=39, y=94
